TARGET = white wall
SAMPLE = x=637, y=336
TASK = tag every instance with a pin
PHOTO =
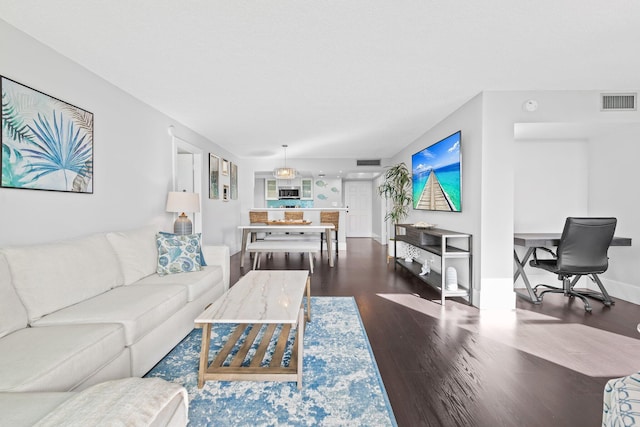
x=501, y=111
x=327, y=192
x=468, y=119
x=550, y=183
x=498, y=172
x=132, y=158
x=378, y=210
x=613, y=178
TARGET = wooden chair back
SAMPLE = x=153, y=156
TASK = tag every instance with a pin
x=293, y=215
x=258, y=217
x=330, y=217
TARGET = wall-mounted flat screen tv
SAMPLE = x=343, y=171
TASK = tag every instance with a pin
x=436, y=176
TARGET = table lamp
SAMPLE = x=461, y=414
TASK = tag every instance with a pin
x=181, y=201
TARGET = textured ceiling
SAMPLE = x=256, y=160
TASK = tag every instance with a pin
x=342, y=79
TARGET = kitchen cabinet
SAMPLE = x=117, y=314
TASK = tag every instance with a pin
x=271, y=189
x=306, y=189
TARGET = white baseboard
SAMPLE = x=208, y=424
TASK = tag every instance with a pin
x=621, y=290
x=495, y=294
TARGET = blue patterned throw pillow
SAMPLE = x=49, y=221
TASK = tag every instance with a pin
x=202, y=261
x=178, y=253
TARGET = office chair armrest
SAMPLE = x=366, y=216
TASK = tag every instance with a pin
x=535, y=253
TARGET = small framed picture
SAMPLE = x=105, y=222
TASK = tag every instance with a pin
x=214, y=179
x=225, y=192
x=225, y=167
x=234, y=182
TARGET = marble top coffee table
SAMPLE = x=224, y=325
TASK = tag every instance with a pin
x=261, y=301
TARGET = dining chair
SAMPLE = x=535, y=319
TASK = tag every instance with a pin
x=258, y=217
x=330, y=217
x=293, y=215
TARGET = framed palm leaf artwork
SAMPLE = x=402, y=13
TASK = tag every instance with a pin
x=47, y=144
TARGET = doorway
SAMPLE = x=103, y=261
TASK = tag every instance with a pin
x=358, y=196
x=187, y=174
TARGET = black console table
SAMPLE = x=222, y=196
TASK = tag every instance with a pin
x=444, y=243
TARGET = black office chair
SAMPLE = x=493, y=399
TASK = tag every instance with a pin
x=582, y=251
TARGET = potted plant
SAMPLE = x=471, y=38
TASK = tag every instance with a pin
x=397, y=189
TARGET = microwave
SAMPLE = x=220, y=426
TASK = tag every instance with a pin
x=288, y=193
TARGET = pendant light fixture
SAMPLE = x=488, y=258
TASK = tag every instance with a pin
x=285, y=172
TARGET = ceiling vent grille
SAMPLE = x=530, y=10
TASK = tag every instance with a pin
x=374, y=162
x=618, y=101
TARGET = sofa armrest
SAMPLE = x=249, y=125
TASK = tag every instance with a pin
x=218, y=255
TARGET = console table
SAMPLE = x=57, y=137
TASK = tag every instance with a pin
x=447, y=245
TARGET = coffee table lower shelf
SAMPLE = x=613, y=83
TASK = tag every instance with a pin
x=234, y=371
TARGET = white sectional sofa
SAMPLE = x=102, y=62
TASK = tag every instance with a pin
x=79, y=312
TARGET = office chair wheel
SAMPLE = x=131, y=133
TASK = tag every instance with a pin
x=587, y=309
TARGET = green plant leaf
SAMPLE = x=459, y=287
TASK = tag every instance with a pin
x=397, y=188
x=12, y=123
x=11, y=158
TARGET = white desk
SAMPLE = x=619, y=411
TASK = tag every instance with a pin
x=263, y=228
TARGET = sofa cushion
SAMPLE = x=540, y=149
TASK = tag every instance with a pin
x=13, y=315
x=25, y=409
x=178, y=253
x=57, y=358
x=196, y=283
x=123, y=402
x=198, y=235
x=138, y=308
x=137, y=252
x=52, y=276
x=621, y=401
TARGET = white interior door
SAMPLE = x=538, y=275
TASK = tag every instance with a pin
x=358, y=197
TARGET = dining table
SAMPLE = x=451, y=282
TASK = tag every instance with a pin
x=282, y=227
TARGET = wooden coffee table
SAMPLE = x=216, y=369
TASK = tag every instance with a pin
x=267, y=297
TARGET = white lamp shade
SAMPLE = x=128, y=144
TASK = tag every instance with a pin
x=284, y=173
x=180, y=201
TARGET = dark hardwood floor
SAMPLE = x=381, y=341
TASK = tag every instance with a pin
x=540, y=365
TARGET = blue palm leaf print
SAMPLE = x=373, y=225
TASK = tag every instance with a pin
x=58, y=148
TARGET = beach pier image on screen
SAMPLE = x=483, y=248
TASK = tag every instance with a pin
x=436, y=176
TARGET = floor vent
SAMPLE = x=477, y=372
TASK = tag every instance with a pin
x=374, y=162
x=618, y=101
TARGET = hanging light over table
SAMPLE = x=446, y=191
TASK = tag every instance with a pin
x=285, y=172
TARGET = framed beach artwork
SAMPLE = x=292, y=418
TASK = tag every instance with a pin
x=225, y=167
x=214, y=177
x=234, y=181
x=436, y=176
x=47, y=143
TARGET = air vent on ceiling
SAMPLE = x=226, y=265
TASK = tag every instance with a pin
x=374, y=162
x=618, y=101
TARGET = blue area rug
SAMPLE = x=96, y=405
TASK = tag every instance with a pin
x=341, y=381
